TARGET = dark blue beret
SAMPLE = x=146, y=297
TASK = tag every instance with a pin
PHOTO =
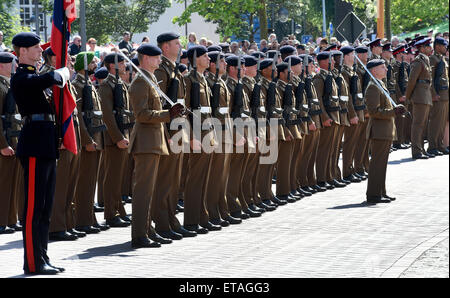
x=250, y=60
x=440, y=40
x=362, y=50
x=101, y=73
x=182, y=67
x=258, y=55
x=26, y=39
x=374, y=63
x=287, y=50
x=135, y=60
x=199, y=50
x=48, y=51
x=166, y=37
x=347, y=50
x=224, y=45
x=294, y=60
x=214, y=49
x=301, y=47
x=270, y=54
x=336, y=53
x=6, y=57
x=310, y=58
x=149, y=50
x=282, y=67
x=213, y=56
x=110, y=57
x=233, y=60
x=265, y=63
x=323, y=56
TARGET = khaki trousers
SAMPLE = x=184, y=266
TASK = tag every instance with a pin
x=298, y=161
x=376, y=185
x=195, y=189
x=307, y=173
x=326, y=143
x=67, y=169
x=146, y=169
x=11, y=178
x=436, y=127
x=115, y=162
x=216, y=202
x=85, y=193
x=351, y=135
x=335, y=170
x=362, y=149
x=286, y=149
x=420, y=117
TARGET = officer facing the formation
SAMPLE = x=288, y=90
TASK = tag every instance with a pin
x=148, y=141
x=11, y=173
x=37, y=149
x=439, y=91
x=380, y=132
x=419, y=93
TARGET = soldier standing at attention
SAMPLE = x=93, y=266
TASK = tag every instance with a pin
x=92, y=132
x=165, y=199
x=419, y=93
x=10, y=126
x=114, y=101
x=148, y=142
x=376, y=49
x=37, y=149
x=380, y=132
x=439, y=90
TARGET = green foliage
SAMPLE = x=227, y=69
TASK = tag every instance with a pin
x=9, y=22
x=106, y=20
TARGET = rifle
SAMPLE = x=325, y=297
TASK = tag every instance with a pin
x=354, y=80
x=10, y=117
x=401, y=77
x=215, y=101
x=87, y=107
x=271, y=93
x=308, y=89
x=437, y=76
x=238, y=103
x=255, y=101
x=172, y=89
x=288, y=108
x=328, y=86
x=119, y=106
x=195, y=86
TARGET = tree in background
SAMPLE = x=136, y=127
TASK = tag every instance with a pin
x=9, y=22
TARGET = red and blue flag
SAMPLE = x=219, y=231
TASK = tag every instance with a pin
x=64, y=14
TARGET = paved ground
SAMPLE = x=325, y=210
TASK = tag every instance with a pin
x=332, y=234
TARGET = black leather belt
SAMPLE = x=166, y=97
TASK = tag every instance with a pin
x=344, y=110
x=443, y=88
x=39, y=117
x=333, y=109
x=315, y=112
x=360, y=108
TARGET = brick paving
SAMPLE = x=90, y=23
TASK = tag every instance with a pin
x=331, y=234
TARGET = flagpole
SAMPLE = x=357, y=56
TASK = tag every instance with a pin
x=63, y=64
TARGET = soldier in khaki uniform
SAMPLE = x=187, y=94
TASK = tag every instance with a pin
x=380, y=132
x=61, y=223
x=399, y=71
x=165, y=200
x=375, y=48
x=10, y=169
x=307, y=176
x=419, y=93
x=343, y=94
x=220, y=167
x=330, y=121
x=202, y=141
x=286, y=147
x=362, y=150
x=91, y=133
x=264, y=182
x=147, y=143
x=439, y=90
x=252, y=88
x=240, y=112
x=116, y=141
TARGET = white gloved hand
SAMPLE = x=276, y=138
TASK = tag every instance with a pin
x=65, y=75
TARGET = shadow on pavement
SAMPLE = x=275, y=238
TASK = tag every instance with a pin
x=11, y=245
x=102, y=251
x=400, y=161
x=348, y=206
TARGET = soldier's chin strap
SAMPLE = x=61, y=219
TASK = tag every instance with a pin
x=160, y=92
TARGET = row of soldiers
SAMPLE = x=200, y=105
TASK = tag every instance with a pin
x=121, y=127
